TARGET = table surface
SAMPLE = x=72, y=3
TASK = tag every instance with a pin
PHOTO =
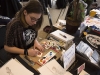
x=89, y=67
x=35, y=59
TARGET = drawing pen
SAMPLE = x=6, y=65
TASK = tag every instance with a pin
x=63, y=35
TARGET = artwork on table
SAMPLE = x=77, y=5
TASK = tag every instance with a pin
x=91, y=36
x=47, y=57
x=80, y=68
x=93, y=40
x=53, y=68
x=13, y=67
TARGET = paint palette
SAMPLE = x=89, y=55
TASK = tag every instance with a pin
x=47, y=57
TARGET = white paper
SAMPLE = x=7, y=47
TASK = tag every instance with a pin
x=81, y=47
x=62, y=22
x=93, y=61
x=82, y=27
x=13, y=67
x=69, y=57
x=88, y=52
x=92, y=21
x=45, y=71
x=53, y=68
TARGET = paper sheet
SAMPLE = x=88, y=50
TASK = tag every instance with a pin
x=12, y=67
x=69, y=57
x=53, y=68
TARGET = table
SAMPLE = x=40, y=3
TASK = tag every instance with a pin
x=90, y=21
x=35, y=59
x=90, y=68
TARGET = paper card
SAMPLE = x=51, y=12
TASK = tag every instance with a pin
x=84, y=73
x=81, y=47
x=47, y=57
x=45, y=71
x=88, y=52
x=96, y=56
x=93, y=61
x=79, y=69
x=13, y=67
x=69, y=57
x=39, y=54
x=56, y=68
x=53, y=68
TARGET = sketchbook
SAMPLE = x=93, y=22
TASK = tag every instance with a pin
x=12, y=67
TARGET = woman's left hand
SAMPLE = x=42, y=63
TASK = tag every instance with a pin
x=38, y=46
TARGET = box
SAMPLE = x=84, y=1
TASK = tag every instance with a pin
x=63, y=38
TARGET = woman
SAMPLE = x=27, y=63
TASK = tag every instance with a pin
x=22, y=30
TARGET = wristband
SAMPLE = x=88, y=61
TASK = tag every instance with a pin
x=25, y=52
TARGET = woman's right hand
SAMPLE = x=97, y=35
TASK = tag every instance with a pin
x=33, y=52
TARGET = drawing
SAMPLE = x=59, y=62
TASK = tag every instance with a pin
x=79, y=69
x=9, y=71
x=56, y=71
x=93, y=40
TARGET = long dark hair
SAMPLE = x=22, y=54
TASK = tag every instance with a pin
x=33, y=6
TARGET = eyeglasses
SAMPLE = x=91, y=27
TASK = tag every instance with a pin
x=33, y=19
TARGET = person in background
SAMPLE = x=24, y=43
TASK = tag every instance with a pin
x=22, y=30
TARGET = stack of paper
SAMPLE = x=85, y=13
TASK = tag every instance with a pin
x=53, y=68
x=14, y=68
x=85, y=49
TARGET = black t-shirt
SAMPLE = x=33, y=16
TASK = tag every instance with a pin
x=29, y=36
x=14, y=35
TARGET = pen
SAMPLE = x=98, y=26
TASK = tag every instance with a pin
x=63, y=35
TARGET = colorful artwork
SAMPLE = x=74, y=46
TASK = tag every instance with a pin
x=93, y=40
x=47, y=57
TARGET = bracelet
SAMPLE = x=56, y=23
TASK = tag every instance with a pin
x=25, y=52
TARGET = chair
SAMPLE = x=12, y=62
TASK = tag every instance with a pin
x=3, y=54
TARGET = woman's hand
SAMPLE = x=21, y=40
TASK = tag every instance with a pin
x=38, y=46
x=33, y=52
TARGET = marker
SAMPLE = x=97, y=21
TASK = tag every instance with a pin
x=63, y=35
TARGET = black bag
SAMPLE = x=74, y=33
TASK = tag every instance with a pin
x=61, y=3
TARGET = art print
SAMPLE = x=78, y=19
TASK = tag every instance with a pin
x=94, y=40
x=79, y=69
